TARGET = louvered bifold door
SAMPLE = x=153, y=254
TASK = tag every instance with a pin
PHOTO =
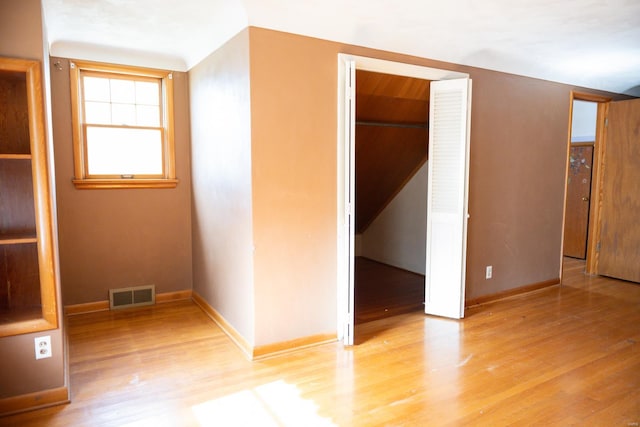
x=447, y=213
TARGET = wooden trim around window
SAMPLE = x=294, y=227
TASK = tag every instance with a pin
x=85, y=184
x=82, y=180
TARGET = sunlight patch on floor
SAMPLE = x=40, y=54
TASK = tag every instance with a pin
x=273, y=404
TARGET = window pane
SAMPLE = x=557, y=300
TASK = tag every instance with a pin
x=96, y=89
x=148, y=116
x=97, y=113
x=118, y=151
x=148, y=93
x=123, y=91
x=123, y=114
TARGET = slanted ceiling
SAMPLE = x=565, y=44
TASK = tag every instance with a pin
x=392, y=136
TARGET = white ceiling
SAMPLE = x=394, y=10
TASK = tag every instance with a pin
x=591, y=43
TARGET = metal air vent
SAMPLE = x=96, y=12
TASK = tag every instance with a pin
x=132, y=297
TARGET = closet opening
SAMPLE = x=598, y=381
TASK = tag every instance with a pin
x=391, y=146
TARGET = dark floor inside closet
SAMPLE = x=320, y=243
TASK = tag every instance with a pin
x=383, y=291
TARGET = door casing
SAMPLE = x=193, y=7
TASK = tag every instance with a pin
x=593, y=233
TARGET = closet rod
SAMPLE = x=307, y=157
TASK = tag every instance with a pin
x=395, y=125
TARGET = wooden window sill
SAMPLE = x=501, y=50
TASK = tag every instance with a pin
x=124, y=183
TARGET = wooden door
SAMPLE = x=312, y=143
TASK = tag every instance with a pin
x=620, y=229
x=578, y=194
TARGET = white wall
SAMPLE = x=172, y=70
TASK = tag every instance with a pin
x=397, y=236
x=583, y=122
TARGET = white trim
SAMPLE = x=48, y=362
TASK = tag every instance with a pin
x=341, y=288
x=400, y=68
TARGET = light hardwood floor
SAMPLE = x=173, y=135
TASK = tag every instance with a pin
x=561, y=356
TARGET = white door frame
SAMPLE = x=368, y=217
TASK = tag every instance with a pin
x=345, y=166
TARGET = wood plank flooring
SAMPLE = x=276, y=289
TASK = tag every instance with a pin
x=383, y=291
x=561, y=356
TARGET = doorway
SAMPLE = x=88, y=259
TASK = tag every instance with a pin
x=391, y=141
x=454, y=90
x=583, y=179
x=582, y=141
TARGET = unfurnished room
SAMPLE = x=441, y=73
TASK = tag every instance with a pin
x=285, y=213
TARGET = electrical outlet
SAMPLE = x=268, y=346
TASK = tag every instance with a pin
x=489, y=272
x=43, y=347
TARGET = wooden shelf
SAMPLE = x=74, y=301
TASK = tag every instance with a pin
x=19, y=315
x=16, y=239
x=15, y=156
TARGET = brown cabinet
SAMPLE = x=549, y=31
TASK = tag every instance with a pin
x=27, y=268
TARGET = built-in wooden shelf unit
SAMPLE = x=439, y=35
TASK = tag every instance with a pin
x=27, y=269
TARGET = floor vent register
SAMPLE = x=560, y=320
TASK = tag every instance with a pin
x=132, y=297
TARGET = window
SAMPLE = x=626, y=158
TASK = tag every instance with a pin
x=123, y=126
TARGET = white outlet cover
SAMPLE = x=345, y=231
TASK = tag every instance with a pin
x=42, y=347
x=489, y=272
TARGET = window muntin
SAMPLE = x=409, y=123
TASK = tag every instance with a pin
x=123, y=127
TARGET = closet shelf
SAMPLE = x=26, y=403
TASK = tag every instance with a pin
x=15, y=156
x=18, y=238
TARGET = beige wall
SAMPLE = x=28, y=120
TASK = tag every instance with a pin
x=518, y=154
x=518, y=158
x=121, y=237
x=222, y=209
x=21, y=32
x=263, y=125
x=21, y=36
x=294, y=122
